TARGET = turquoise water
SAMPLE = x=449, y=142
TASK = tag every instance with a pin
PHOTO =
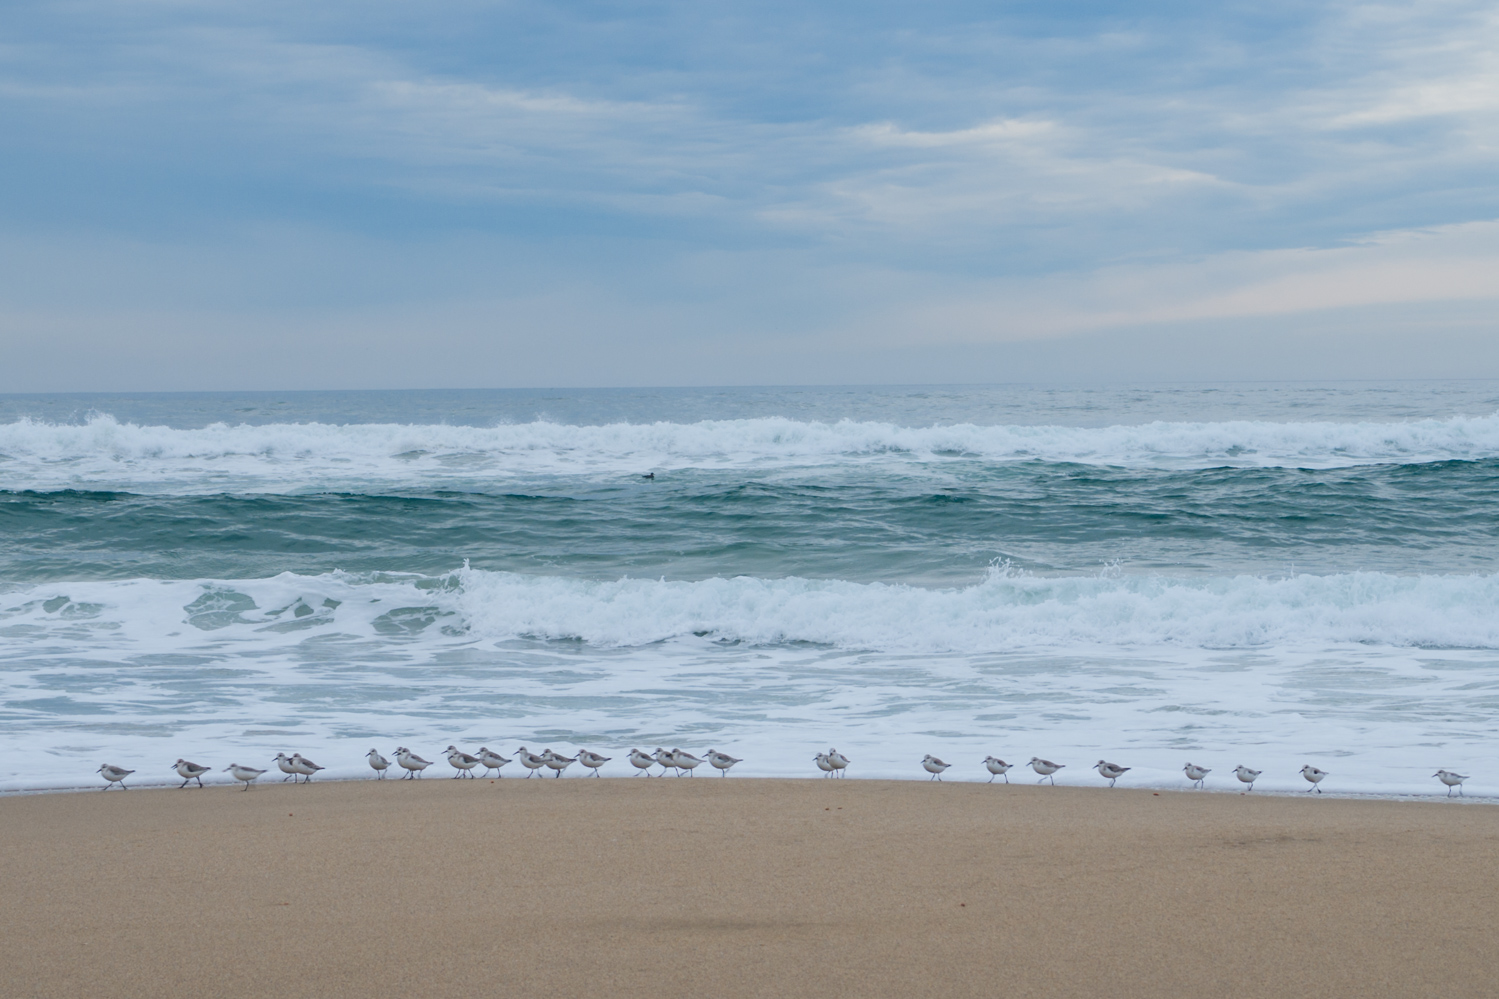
x=1283, y=573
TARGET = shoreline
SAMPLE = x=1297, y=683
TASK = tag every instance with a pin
x=750, y=887
x=1492, y=799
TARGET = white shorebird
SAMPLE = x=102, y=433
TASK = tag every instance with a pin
x=666, y=760
x=642, y=761
x=722, y=761
x=378, y=763
x=1246, y=775
x=685, y=761
x=557, y=761
x=933, y=766
x=189, y=772
x=1045, y=768
x=114, y=775
x=592, y=760
x=245, y=774
x=305, y=767
x=1314, y=775
x=823, y=764
x=462, y=762
x=997, y=767
x=530, y=761
x=839, y=761
x=491, y=761
x=1109, y=771
x=1451, y=780
x=1196, y=774
x=411, y=763
x=287, y=766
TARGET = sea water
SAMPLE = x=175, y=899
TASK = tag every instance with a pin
x=1262, y=574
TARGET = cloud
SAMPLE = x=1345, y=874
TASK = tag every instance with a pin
x=794, y=178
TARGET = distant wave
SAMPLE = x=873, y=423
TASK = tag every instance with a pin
x=105, y=453
x=1006, y=612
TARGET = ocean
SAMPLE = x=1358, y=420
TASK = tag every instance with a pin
x=1265, y=574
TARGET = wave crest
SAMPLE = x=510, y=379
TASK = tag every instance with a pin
x=104, y=452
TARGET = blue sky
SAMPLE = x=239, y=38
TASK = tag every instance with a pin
x=202, y=195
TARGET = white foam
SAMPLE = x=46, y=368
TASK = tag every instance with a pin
x=1378, y=678
x=104, y=453
x=1007, y=612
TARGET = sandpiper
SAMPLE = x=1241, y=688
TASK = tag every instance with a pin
x=933, y=766
x=1246, y=775
x=839, y=761
x=491, y=761
x=412, y=763
x=462, y=762
x=684, y=760
x=1196, y=774
x=592, y=760
x=305, y=767
x=722, y=761
x=114, y=775
x=246, y=774
x=530, y=761
x=1109, y=771
x=823, y=764
x=665, y=759
x=378, y=763
x=1045, y=768
x=557, y=761
x=997, y=767
x=1314, y=775
x=189, y=772
x=1451, y=780
x=287, y=766
x=642, y=761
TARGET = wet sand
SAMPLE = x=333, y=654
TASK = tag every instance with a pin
x=709, y=888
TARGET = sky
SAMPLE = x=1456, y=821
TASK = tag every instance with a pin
x=201, y=195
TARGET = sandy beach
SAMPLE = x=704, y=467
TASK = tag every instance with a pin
x=671, y=887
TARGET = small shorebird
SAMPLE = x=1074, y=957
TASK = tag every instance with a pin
x=378, y=763
x=1451, y=780
x=287, y=766
x=997, y=767
x=530, y=760
x=933, y=766
x=592, y=760
x=557, y=761
x=189, y=772
x=1196, y=774
x=114, y=775
x=1246, y=775
x=491, y=761
x=305, y=767
x=684, y=760
x=667, y=762
x=824, y=764
x=1314, y=775
x=412, y=763
x=246, y=774
x=839, y=761
x=722, y=761
x=462, y=762
x=1109, y=771
x=1045, y=768
x=642, y=761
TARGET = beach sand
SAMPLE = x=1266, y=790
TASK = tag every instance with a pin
x=705, y=888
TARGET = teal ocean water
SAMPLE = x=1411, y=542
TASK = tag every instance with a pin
x=1265, y=574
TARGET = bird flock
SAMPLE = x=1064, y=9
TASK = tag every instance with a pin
x=833, y=764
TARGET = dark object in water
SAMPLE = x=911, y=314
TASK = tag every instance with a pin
x=649, y=475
